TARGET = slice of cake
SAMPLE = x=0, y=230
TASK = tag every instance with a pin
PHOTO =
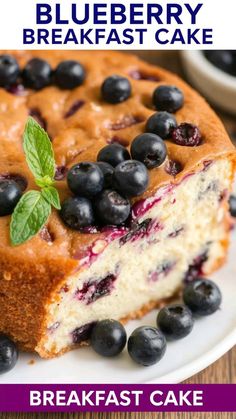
x=56, y=285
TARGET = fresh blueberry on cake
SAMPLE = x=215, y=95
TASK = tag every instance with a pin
x=127, y=176
x=37, y=74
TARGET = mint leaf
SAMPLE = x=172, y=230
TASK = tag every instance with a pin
x=34, y=208
x=38, y=150
x=44, y=181
x=51, y=195
x=29, y=216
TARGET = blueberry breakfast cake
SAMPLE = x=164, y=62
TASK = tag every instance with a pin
x=143, y=168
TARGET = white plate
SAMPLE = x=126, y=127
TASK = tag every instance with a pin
x=211, y=337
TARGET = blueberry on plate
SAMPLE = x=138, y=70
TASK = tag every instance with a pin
x=232, y=205
x=111, y=208
x=9, y=70
x=146, y=345
x=107, y=171
x=69, y=74
x=113, y=154
x=37, y=74
x=149, y=149
x=85, y=179
x=202, y=296
x=131, y=178
x=8, y=354
x=168, y=98
x=162, y=124
x=10, y=194
x=116, y=89
x=77, y=213
x=108, y=338
x=175, y=321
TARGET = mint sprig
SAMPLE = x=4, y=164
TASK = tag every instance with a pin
x=30, y=215
x=51, y=195
x=38, y=151
x=33, y=210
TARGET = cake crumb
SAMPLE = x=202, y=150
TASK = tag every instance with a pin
x=31, y=362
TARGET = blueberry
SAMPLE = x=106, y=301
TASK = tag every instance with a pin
x=108, y=338
x=187, y=135
x=8, y=354
x=107, y=171
x=168, y=98
x=82, y=333
x=85, y=179
x=232, y=205
x=149, y=149
x=113, y=154
x=222, y=59
x=116, y=89
x=10, y=194
x=112, y=208
x=9, y=70
x=77, y=213
x=131, y=178
x=175, y=321
x=173, y=167
x=37, y=74
x=162, y=124
x=69, y=74
x=19, y=179
x=146, y=345
x=202, y=296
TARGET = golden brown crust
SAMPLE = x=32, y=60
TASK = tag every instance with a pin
x=31, y=274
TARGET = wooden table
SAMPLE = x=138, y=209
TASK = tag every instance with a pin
x=222, y=371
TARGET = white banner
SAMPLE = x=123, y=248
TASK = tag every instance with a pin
x=117, y=24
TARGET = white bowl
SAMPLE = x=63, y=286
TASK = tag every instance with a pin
x=216, y=85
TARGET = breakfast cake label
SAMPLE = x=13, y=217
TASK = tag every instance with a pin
x=117, y=206
x=117, y=24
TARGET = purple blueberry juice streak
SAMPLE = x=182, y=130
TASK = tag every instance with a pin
x=161, y=271
x=207, y=164
x=53, y=327
x=17, y=90
x=46, y=235
x=126, y=122
x=61, y=172
x=114, y=232
x=74, y=108
x=139, y=231
x=195, y=269
x=144, y=205
x=95, y=289
x=176, y=232
x=141, y=75
x=109, y=233
x=82, y=333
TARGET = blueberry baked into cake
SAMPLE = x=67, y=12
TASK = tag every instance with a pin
x=144, y=169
